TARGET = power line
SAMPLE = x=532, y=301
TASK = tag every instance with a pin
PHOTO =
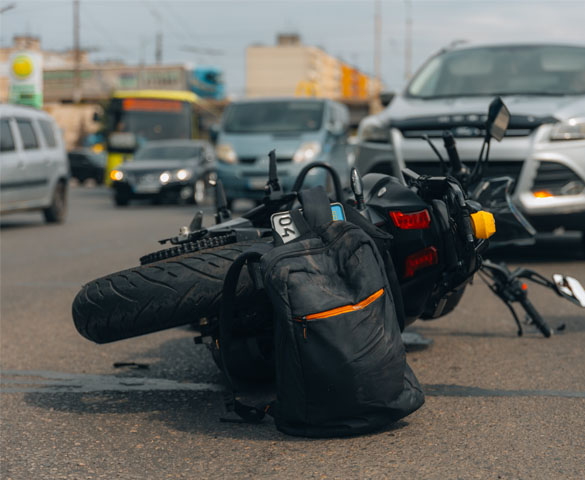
x=97, y=26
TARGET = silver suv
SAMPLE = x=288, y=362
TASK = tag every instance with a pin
x=544, y=149
x=34, y=168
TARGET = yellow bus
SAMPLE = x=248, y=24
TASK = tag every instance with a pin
x=134, y=117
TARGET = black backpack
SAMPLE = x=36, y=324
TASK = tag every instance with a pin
x=340, y=363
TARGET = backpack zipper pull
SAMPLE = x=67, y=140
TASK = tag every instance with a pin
x=303, y=322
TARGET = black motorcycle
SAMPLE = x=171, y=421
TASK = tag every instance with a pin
x=440, y=227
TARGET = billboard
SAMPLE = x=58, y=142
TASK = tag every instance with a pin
x=26, y=78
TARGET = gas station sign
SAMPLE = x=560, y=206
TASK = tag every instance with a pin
x=26, y=79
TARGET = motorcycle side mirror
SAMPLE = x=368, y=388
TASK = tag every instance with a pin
x=498, y=119
x=570, y=288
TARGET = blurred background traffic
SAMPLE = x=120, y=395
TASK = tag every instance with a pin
x=152, y=100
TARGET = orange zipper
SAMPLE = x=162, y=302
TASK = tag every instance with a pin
x=338, y=311
x=346, y=308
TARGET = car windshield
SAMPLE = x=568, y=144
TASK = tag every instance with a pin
x=274, y=117
x=151, y=119
x=517, y=70
x=159, y=152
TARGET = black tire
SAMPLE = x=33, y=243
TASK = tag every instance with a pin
x=121, y=200
x=57, y=211
x=158, y=296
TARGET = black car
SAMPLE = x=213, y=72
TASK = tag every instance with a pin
x=86, y=164
x=175, y=170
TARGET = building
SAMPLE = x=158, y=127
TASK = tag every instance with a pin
x=291, y=68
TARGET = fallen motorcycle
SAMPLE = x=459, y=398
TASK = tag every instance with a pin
x=440, y=228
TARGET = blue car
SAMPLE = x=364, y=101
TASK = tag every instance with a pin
x=301, y=130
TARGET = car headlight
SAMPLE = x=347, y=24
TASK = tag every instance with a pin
x=116, y=175
x=572, y=129
x=226, y=153
x=165, y=177
x=374, y=133
x=183, y=174
x=307, y=152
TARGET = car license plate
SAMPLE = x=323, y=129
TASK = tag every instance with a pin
x=283, y=225
x=146, y=185
x=257, y=183
x=146, y=188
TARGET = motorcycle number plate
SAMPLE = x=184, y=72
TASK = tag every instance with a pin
x=283, y=225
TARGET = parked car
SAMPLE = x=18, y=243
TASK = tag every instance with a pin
x=544, y=88
x=302, y=130
x=85, y=164
x=176, y=170
x=34, y=169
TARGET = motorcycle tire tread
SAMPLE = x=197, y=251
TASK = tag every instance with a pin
x=157, y=296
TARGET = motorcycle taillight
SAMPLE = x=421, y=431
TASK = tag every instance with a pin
x=411, y=220
x=421, y=259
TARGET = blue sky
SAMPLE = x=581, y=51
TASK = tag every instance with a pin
x=126, y=29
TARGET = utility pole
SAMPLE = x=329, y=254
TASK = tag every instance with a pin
x=76, y=54
x=158, y=41
x=159, y=47
x=408, y=41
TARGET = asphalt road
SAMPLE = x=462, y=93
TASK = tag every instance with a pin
x=497, y=406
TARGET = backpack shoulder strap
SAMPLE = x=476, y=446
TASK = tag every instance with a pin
x=226, y=316
x=316, y=206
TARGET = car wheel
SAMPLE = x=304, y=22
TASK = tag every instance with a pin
x=121, y=200
x=56, y=212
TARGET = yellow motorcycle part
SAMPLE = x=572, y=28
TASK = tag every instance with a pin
x=484, y=225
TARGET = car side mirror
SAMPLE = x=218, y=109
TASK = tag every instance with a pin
x=336, y=128
x=498, y=119
x=386, y=98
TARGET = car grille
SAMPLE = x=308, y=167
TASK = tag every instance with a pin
x=508, y=168
x=462, y=132
x=554, y=176
x=143, y=175
x=466, y=126
x=247, y=160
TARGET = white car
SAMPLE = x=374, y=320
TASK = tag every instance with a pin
x=34, y=168
x=544, y=149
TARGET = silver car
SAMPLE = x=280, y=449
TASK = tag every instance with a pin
x=544, y=149
x=34, y=168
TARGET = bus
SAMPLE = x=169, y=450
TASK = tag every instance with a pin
x=134, y=117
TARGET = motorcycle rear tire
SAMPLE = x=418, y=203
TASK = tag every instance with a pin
x=158, y=296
